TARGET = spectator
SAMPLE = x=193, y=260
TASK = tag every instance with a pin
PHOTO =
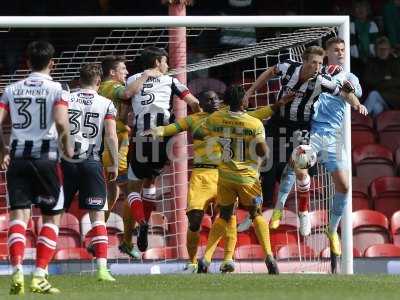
x=391, y=21
x=383, y=78
x=363, y=33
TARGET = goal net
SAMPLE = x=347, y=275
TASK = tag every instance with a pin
x=210, y=58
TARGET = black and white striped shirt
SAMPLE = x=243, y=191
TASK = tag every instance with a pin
x=298, y=113
x=87, y=113
x=30, y=104
x=152, y=105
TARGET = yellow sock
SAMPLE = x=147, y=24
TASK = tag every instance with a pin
x=128, y=224
x=217, y=231
x=192, y=242
x=230, y=239
x=262, y=232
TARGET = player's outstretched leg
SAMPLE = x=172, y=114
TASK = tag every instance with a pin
x=16, y=246
x=287, y=181
x=46, y=246
x=303, y=181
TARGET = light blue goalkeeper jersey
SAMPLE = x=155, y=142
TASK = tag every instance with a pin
x=329, y=110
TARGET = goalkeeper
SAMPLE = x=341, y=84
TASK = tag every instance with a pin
x=326, y=133
x=293, y=122
x=326, y=140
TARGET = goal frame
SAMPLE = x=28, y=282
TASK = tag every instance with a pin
x=342, y=22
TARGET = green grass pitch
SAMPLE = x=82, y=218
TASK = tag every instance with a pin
x=215, y=286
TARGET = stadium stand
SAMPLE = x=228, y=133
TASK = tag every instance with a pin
x=373, y=161
x=287, y=230
x=218, y=254
x=114, y=224
x=159, y=254
x=72, y=253
x=388, y=127
x=3, y=251
x=249, y=252
x=245, y=239
x=395, y=228
x=383, y=250
x=362, y=137
x=31, y=232
x=360, y=122
x=360, y=194
x=294, y=251
x=318, y=218
x=397, y=160
x=326, y=253
x=369, y=228
x=158, y=223
x=385, y=195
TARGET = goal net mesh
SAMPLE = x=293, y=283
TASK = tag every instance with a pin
x=211, y=58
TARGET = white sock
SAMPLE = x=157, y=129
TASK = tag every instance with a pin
x=101, y=263
x=39, y=272
x=17, y=268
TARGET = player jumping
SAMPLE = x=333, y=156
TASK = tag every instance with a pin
x=293, y=122
x=326, y=134
x=151, y=103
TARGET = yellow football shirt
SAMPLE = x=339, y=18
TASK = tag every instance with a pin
x=237, y=133
x=114, y=91
x=204, y=154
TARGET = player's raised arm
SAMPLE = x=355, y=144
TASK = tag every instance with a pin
x=265, y=112
x=350, y=98
x=111, y=138
x=352, y=85
x=192, y=102
x=135, y=86
x=261, y=80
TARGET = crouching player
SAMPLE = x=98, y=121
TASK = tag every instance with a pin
x=242, y=141
x=90, y=114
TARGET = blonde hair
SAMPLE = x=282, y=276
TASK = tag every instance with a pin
x=312, y=50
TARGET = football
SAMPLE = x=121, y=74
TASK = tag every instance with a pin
x=304, y=157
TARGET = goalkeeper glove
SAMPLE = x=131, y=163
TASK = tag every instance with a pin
x=348, y=87
x=333, y=69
